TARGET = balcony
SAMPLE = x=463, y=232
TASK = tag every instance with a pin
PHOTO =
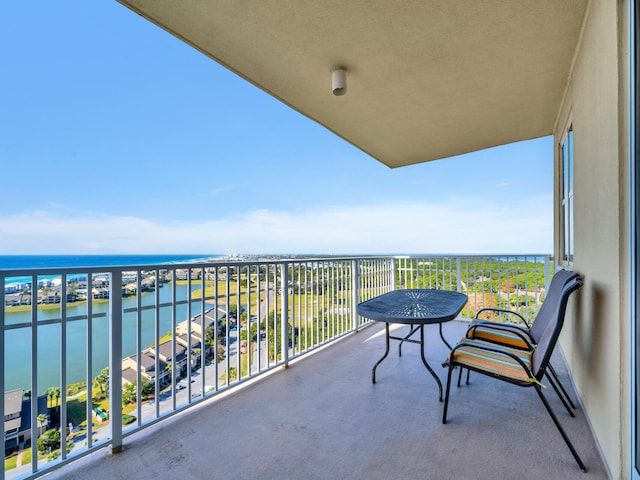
x=256, y=409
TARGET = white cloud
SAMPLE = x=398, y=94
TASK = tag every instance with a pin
x=458, y=225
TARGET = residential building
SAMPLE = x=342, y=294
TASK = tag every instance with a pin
x=196, y=322
x=165, y=353
x=15, y=299
x=12, y=423
x=17, y=418
x=147, y=367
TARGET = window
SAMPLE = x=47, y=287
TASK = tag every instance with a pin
x=566, y=218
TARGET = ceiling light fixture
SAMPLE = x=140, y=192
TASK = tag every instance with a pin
x=339, y=82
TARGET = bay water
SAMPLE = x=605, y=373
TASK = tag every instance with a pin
x=19, y=343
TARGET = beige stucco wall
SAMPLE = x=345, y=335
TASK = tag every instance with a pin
x=595, y=338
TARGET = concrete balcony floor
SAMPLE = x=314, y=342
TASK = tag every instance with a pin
x=323, y=419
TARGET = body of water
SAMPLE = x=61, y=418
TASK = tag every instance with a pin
x=19, y=342
x=15, y=262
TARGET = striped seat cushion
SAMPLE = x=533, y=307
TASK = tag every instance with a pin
x=472, y=354
x=501, y=333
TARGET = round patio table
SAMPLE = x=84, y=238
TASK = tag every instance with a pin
x=416, y=307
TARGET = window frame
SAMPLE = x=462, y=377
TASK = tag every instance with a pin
x=567, y=199
x=634, y=220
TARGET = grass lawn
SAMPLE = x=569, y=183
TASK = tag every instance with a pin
x=242, y=299
x=166, y=337
x=210, y=291
x=233, y=371
x=77, y=411
x=103, y=403
x=303, y=303
x=47, y=307
x=26, y=456
x=76, y=388
x=11, y=462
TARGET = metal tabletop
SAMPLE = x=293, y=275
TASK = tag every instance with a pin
x=415, y=307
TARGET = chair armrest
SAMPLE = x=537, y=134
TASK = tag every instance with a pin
x=502, y=310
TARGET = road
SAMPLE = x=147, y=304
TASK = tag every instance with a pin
x=201, y=380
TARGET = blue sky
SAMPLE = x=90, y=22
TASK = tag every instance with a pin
x=118, y=138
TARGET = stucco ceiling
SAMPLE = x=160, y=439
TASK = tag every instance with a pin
x=427, y=79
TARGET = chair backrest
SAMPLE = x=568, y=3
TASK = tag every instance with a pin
x=547, y=311
x=544, y=349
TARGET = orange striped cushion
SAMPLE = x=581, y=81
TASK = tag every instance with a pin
x=469, y=354
x=504, y=334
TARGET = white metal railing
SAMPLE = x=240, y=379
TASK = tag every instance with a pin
x=168, y=336
x=514, y=282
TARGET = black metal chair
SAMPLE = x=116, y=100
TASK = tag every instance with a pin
x=526, y=336
x=525, y=368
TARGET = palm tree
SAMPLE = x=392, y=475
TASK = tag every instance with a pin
x=56, y=393
x=102, y=381
x=42, y=421
x=129, y=393
x=50, y=393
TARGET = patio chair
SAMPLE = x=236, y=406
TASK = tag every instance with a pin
x=525, y=368
x=526, y=336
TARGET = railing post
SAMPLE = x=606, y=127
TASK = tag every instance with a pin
x=355, y=292
x=115, y=359
x=62, y=400
x=284, y=325
x=34, y=366
x=34, y=395
x=547, y=280
x=394, y=269
x=459, y=274
x=89, y=361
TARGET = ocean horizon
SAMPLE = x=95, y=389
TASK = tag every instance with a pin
x=11, y=262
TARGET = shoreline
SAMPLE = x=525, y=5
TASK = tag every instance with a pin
x=76, y=331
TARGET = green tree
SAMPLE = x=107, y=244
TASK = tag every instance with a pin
x=130, y=391
x=42, y=420
x=129, y=394
x=48, y=441
x=56, y=394
x=148, y=388
x=50, y=393
x=102, y=382
x=221, y=351
x=209, y=336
